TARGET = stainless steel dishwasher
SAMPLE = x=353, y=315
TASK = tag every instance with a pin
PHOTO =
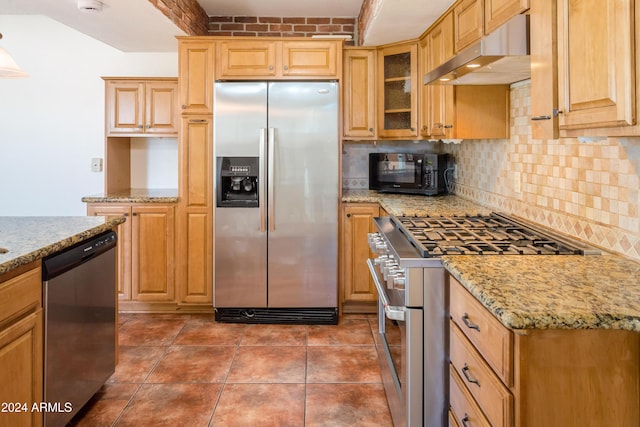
x=79, y=326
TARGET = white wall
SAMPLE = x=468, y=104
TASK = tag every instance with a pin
x=52, y=122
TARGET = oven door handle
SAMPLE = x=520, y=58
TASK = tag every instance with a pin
x=391, y=311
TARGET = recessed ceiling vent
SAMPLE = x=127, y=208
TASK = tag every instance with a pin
x=90, y=6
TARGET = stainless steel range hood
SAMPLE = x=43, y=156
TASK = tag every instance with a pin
x=501, y=57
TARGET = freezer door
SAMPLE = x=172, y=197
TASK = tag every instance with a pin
x=303, y=194
x=240, y=238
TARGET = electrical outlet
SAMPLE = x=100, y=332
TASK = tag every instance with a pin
x=96, y=164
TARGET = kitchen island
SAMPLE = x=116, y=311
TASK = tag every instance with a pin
x=28, y=239
x=25, y=241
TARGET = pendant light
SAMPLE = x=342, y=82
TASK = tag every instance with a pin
x=8, y=67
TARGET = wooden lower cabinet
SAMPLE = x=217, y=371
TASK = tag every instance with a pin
x=145, y=251
x=21, y=341
x=536, y=377
x=358, y=292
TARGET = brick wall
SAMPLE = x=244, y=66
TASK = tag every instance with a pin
x=188, y=15
x=280, y=26
x=367, y=12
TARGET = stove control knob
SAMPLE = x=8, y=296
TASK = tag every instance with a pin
x=381, y=247
x=389, y=269
x=373, y=239
x=393, y=276
x=399, y=281
x=379, y=259
x=385, y=270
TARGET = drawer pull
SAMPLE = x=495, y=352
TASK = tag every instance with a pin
x=470, y=325
x=465, y=420
x=467, y=375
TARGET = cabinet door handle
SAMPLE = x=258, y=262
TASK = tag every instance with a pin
x=286, y=67
x=448, y=126
x=197, y=120
x=465, y=420
x=537, y=118
x=348, y=215
x=469, y=323
x=270, y=67
x=467, y=375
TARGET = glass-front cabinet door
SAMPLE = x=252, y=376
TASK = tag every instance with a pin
x=398, y=103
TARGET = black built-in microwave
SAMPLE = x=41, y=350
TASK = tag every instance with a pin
x=408, y=173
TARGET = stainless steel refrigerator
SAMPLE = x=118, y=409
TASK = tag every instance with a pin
x=276, y=214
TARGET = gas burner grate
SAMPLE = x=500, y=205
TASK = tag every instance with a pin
x=492, y=234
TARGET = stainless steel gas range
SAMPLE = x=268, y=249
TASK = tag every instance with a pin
x=413, y=298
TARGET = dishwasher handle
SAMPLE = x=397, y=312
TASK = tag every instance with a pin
x=61, y=262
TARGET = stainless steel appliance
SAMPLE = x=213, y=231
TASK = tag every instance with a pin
x=410, y=173
x=79, y=324
x=276, y=257
x=413, y=298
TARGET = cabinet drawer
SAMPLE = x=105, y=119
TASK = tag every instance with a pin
x=465, y=410
x=486, y=333
x=21, y=294
x=492, y=396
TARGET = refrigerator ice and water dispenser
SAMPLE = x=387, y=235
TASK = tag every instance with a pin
x=237, y=182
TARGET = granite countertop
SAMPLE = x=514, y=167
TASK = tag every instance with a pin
x=532, y=291
x=554, y=292
x=136, y=195
x=409, y=205
x=31, y=238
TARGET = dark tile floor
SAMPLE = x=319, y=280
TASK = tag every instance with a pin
x=188, y=370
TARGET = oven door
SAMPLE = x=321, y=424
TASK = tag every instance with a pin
x=400, y=353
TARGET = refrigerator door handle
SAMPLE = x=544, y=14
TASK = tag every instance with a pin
x=262, y=175
x=271, y=195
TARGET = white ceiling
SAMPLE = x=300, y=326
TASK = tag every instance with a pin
x=137, y=26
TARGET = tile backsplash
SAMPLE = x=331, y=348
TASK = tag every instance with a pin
x=586, y=190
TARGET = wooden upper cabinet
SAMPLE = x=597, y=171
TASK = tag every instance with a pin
x=310, y=58
x=260, y=59
x=359, y=93
x=544, y=70
x=196, y=59
x=497, y=12
x=468, y=17
x=136, y=107
x=437, y=100
x=246, y=58
x=596, y=64
x=398, y=90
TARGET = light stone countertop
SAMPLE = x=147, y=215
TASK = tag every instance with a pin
x=31, y=238
x=532, y=291
x=136, y=195
x=554, y=292
x=410, y=205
